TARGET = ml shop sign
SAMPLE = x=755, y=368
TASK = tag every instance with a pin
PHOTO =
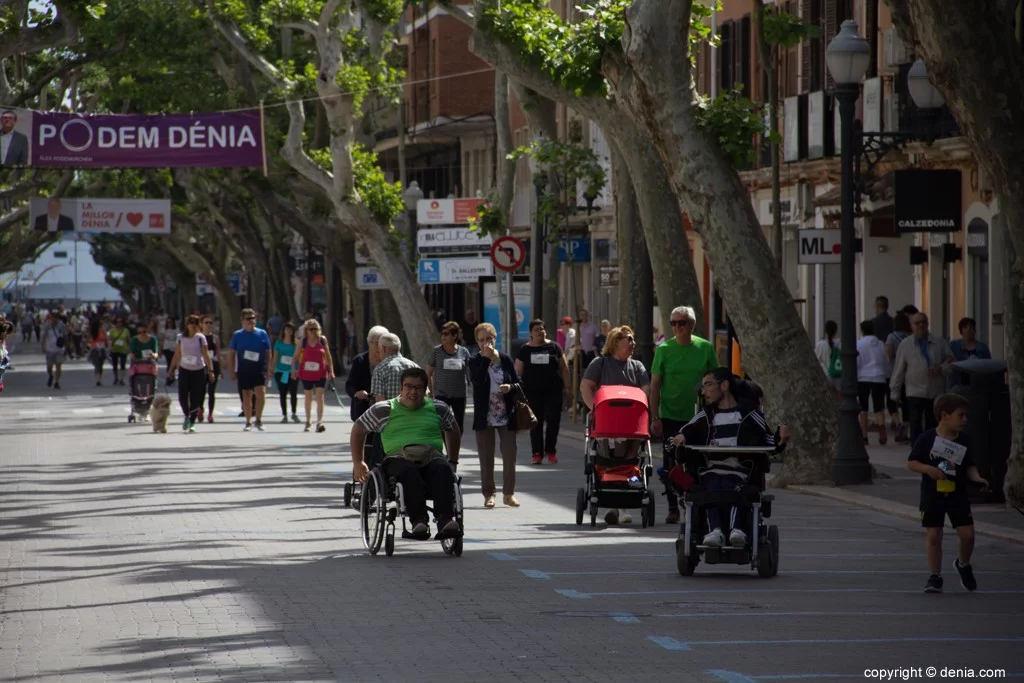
x=928, y=201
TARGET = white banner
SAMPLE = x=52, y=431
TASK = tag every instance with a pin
x=81, y=214
x=452, y=240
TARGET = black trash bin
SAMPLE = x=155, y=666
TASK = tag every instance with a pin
x=983, y=384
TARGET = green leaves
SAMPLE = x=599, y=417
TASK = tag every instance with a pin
x=786, y=30
x=733, y=120
x=574, y=167
x=383, y=199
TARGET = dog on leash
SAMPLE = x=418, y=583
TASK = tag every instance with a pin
x=159, y=413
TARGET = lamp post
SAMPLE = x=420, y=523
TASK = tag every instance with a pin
x=540, y=184
x=848, y=56
x=413, y=194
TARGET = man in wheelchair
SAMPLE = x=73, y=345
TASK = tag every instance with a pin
x=728, y=419
x=411, y=428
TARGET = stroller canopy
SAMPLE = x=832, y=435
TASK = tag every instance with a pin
x=620, y=412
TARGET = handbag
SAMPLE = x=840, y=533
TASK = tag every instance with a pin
x=525, y=419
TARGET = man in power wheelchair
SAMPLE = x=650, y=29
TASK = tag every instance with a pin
x=727, y=453
x=413, y=431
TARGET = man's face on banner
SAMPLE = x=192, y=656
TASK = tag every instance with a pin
x=7, y=121
x=53, y=207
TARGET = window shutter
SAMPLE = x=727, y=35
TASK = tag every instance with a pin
x=871, y=19
x=805, y=49
x=743, y=55
x=830, y=30
x=726, y=77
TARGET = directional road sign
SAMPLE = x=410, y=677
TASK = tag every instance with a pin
x=508, y=254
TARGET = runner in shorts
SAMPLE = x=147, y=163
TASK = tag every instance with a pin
x=249, y=365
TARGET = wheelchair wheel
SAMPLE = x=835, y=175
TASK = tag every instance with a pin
x=686, y=564
x=452, y=546
x=348, y=495
x=389, y=541
x=581, y=505
x=767, y=555
x=773, y=536
x=371, y=512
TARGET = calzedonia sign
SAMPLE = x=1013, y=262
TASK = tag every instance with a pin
x=928, y=201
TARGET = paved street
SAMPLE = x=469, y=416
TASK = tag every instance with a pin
x=224, y=556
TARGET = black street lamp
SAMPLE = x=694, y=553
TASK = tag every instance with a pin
x=848, y=56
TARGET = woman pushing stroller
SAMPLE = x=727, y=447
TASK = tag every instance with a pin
x=731, y=417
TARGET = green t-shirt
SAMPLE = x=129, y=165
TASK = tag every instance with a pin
x=681, y=368
x=138, y=346
x=119, y=339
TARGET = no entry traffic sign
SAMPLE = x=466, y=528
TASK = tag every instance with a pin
x=508, y=254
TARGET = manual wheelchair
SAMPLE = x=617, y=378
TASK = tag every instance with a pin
x=382, y=503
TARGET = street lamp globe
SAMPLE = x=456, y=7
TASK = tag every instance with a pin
x=924, y=94
x=412, y=195
x=848, y=55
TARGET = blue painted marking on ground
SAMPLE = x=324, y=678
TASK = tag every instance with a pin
x=624, y=618
x=751, y=591
x=506, y=557
x=856, y=641
x=535, y=574
x=730, y=676
x=668, y=643
x=569, y=593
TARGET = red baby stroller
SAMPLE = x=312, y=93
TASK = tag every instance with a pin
x=618, y=463
x=141, y=387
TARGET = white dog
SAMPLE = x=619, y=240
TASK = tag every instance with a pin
x=159, y=412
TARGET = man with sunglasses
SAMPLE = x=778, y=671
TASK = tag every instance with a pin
x=249, y=363
x=415, y=429
x=679, y=364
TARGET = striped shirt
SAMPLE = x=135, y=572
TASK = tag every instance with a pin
x=376, y=418
x=450, y=371
x=725, y=431
x=387, y=376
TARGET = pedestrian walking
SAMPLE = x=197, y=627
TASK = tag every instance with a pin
x=827, y=350
x=386, y=382
x=6, y=328
x=872, y=369
x=213, y=345
x=680, y=364
x=168, y=343
x=448, y=372
x=921, y=362
x=545, y=379
x=360, y=375
x=284, y=375
x=315, y=368
x=899, y=410
x=54, y=339
x=944, y=459
x=494, y=379
x=119, y=338
x=249, y=363
x=192, y=355
x=97, y=348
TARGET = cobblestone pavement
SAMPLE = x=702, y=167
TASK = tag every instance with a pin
x=224, y=556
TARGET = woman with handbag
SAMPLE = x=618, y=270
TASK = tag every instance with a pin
x=495, y=388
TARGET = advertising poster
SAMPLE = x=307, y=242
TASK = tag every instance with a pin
x=82, y=214
x=65, y=140
x=489, y=297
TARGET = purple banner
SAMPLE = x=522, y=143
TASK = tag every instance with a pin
x=219, y=139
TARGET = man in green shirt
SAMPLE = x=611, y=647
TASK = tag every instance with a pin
x=679, y=365
x=411, y=427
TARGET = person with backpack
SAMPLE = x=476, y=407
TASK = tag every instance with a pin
x=314, y=368
x=827, y=350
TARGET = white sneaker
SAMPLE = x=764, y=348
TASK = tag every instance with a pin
x=715, y=539
x=624, y=517
x=737, y=539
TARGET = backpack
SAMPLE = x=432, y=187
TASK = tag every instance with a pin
x=835, y=364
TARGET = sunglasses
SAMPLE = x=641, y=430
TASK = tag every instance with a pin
x=247, y=318
x=413, y=387
x=680, y=323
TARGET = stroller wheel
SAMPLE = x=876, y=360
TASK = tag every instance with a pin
x=131, y=419
x=581, y=505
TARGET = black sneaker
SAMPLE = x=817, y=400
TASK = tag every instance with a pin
x=56, y=385
x=49, y=381
x=449, y=529
x=967, y=579
x=934, y=584
x=420, y=531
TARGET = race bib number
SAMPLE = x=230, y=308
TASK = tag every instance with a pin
x=452, y=363
x=944, y=449
x=286, y=360
x=251, y=356
x=311, y=366
x=540, y=358
x=190, y=360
